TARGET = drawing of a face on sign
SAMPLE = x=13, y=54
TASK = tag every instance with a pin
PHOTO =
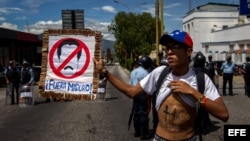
x=71, y=58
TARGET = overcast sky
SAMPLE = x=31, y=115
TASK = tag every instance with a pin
x=36, y=15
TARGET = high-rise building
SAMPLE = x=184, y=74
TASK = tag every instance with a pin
x=73, y=19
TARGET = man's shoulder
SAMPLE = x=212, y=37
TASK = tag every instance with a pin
x=140, y=70
x=247, y=65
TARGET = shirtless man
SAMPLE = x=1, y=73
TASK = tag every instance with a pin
x=178, y=95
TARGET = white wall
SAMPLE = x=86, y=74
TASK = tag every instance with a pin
x=206, y=29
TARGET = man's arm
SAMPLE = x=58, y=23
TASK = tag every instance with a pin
x=31, y=76
x=242, y=69
x=125, y=88
x=6, y=78
x=222, y=66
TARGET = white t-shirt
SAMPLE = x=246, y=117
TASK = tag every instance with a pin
x=150, y=81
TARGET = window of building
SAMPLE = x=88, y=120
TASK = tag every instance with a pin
x=188, y=26
x=206, y=48
x=231, y=47
x=248, y=46
x=241, y=46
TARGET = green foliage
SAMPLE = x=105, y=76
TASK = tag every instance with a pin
x=134, y=33
x=129, y=64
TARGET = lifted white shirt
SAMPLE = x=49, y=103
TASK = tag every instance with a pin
x=150, y=81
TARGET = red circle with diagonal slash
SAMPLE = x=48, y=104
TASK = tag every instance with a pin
x=57, y=70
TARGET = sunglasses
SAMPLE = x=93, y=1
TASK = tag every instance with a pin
x=175, y=47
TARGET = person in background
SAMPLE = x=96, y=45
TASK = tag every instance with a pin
x=12, y=77
x=228, y=71
x=135, y=62
x=140, y=108
x=178, y=96
x=154, y=64
x=27, y=79
x=164, y=61
x=2, y=68
x=27, y=74
x=211, y=68
x=245, y=70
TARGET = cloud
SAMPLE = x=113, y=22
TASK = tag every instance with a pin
x=40, y=26
x=2, y=19
x=167, y=14
x=176, y=19
x=173, y=5
x=93, y=24
x=21, y=18
x=149, y=8
x=96, y=25
x=8, y=10
x=9, y=25
x=109, y=9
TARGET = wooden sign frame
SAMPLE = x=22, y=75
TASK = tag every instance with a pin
x=45, y=52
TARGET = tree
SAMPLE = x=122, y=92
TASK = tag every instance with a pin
x=134, y=33
x=109, y=56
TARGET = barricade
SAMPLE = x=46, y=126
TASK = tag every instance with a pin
x=102, y=89
x=26, y=95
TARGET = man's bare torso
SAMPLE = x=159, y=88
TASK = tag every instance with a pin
x=176, y=119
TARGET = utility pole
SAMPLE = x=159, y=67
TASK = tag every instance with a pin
x=162, y=16
x=162, y=26
x=157, y=30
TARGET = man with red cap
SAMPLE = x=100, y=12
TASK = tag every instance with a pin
x=178, y=95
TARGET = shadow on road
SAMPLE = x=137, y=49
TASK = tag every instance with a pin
x=212, y=128
x=111, y=98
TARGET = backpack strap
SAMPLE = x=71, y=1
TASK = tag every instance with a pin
x=200, y=77
x=200, y=80
x=162, y=76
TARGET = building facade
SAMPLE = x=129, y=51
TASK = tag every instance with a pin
x=17, y=46
x=218, y=30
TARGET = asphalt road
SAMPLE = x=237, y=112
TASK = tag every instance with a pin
x=100, y=120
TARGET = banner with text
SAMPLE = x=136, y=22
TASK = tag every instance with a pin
x=70, y=72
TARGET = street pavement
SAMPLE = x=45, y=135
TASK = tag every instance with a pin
x=104, y=120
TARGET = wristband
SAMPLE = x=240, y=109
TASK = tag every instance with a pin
x=203, y=101
x=201, y=98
